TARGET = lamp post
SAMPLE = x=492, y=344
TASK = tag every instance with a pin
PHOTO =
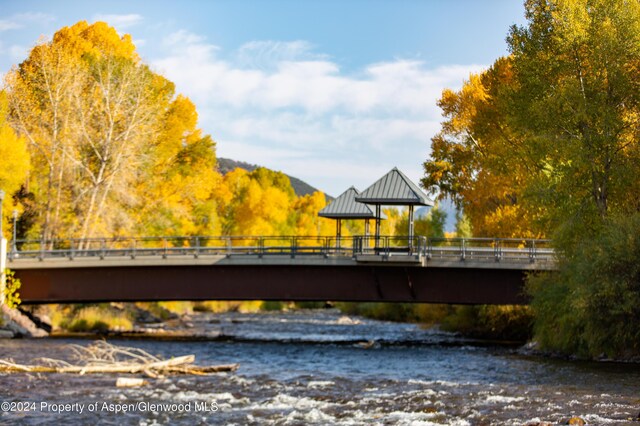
x=14, y=247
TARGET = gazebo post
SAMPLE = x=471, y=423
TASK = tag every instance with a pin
x=366, y=233
x=410, y=227
x=338, y=232
x=377, y=238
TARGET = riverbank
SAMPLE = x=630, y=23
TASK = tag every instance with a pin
x=493, y=323
x=481, y=326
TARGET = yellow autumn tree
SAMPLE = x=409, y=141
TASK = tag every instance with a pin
x=479, y=162
x=177, y=187
x=108, y=138
x=263, y=203
x=307, y=221
x=15, y=158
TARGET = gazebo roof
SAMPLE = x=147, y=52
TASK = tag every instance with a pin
x=394, y=188
x=346, y=207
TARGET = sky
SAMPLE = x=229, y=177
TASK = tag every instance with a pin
x=336, y=93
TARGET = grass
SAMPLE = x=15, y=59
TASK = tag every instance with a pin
x=228, y=306
x=97, y=318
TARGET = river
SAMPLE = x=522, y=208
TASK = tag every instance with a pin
x=321, y=367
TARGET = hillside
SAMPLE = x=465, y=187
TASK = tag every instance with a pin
x=225, y=165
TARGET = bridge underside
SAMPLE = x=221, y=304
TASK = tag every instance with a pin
x=357, y=283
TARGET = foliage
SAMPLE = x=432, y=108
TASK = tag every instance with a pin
x=91, y=318
x=495, y=322
x=478, y=161
x=263, y=202
x=508, y=323
x=15, y=160
x=11, y=290
x=463, y=226
x=228, y=306
x=577, y=65
x=577, y=104
x=177, y=307
x=113, y=151
x=178, y=183
x=380, y=311
x=592, y=306
x=431, y=225
x=545, y=142
x=108, y=139
x=272, y=305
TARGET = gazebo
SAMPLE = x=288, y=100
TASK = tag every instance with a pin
x=346, y=207
x=394, y=189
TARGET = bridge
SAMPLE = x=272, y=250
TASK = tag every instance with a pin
x=359, y=269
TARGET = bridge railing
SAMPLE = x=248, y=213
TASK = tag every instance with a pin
x=498, y=249
x=479, y=249
x=390, y=245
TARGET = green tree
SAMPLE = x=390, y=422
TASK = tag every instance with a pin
x=431, y=225
x=592, y=305
x=463, y=226
x=577, y=104
x=546, y=142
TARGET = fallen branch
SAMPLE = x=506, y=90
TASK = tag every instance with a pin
x=102, y=357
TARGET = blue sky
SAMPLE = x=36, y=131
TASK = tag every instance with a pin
x=334, y=92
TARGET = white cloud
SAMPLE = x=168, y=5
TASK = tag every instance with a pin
x=6, y=25
x=21, y=20
x=267, y=54
x=282, y=105
x=120, y=22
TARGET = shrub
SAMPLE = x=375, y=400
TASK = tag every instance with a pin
x=11, y=295
x=591, y=306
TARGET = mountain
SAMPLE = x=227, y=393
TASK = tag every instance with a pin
x=225, y=165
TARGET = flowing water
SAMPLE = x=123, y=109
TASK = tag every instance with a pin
x=320, y=367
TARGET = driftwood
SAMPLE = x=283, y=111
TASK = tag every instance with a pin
x=128, y=382
x=102, y=357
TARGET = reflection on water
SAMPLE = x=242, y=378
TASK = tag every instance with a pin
x=319, y=367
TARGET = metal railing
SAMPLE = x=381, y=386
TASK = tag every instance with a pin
x=487, y=249
x=462, y=249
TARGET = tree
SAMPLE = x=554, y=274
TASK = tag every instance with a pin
x=176, y=186
x=15, y=158
x=39, y=98
x=577, y=101
x=577, y=63
x=307, y=221
x=101, y=125
x=431, y=225
x=257, y=203
x=479, y=161
x=546, y=141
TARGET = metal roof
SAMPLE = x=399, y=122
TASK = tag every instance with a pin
x=346, y=207
x=394, y=188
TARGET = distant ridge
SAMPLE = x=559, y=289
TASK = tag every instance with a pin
x=301, y=188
